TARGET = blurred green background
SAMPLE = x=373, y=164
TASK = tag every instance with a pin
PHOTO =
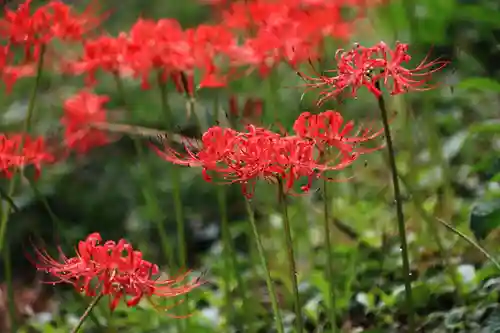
x=448, y=151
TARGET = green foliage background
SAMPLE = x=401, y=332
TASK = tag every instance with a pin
x=448, y=150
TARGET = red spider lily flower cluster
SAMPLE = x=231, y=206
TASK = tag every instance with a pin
x=244, y=157
x=372, y=67
x=11, y=73
x=328, y=129
x=18, y=151
x=287, y=30
x=273, y=31
x=157, y=47
x=112, y=268
x=282, y=30
x=32, y=29
x=80, y=112
x=52, y=20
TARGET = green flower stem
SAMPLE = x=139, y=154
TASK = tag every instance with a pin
x=175, y=177
x=262, y=256
x=429, y=220
x=176, y=185
x=148, y=192
x=87, y=313
x=231, y=262
x=5, y=211
x=290, y=256
x=228, y=303
x=272, y=98
x=10, y=288
x=230, y=259
x=400, y=216
x=332, y=310
x=26, y=128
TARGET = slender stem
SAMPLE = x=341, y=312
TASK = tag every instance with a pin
x=226, y=250
x=176, y=193
x=179, y=212
x=400, y=216
x=272, y=99
x=329, y=258
x=5, y=212
x=436, y=155
x=10, y=288
x=231, y=261
x=147, y=190
x=179, y=217
x=470, y=241
x=56, y=221
x=34, y=92
x=26, y=129
x=165, y=106
x=87, y=313
x=429, y=219
x=263, y=261
x=292, y=269
x=226, y=237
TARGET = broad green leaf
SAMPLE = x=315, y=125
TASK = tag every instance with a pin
x=493, y=323
x=479, y=14
x=479, y=83
x=484, y=218
x=487, y=127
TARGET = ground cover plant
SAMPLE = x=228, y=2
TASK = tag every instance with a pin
x=249, y=166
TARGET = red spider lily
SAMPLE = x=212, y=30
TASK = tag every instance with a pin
x=68, y=25
x=292, y=31
x=244, y=157
x=162, y=46
x=80, y=112
x=214, y=149
x=159, y=47
x=19, y=150
x=404, y=79
x=112, y=268
x=328, y=129
x=11, y=73
x=21, y=27
x=53, y=20
x=371, y=67
x=104, y=53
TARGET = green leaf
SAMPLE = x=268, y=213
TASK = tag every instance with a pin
x=486, y=127
x=479, y=14
x=421, y=294
x=493, y=323
x=484, y=218
x=480, y=83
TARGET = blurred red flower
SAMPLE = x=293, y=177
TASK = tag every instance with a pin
x=52, y=20
x=20, y=150
x=11, y=73
x=105, y=53
x=80, y=112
